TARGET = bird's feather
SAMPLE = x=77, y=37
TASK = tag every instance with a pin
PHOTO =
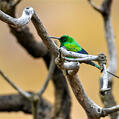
x=72, y=47
x=82, y=51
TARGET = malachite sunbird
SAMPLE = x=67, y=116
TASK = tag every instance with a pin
x=71, y=45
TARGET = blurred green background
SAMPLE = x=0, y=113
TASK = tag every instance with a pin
x=72, y=17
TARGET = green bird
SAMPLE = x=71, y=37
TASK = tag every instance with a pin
x=71, y=45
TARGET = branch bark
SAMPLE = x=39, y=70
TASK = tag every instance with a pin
x=38, y=49
x=16, y=102
x=92, y=110
x=105, y=10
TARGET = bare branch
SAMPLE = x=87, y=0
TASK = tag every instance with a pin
x=25, y=18
x=14, y=22
x=34, y=98
x=62, y=96
x=106, y=7
x=27, y=14
x=16, y=3
x=93, y=58
x=17, y=102
x=104, y=87
x=44, y=35
x=76, y=55
x=71, y=75
x=34, y=101
x=98, y=9
x=70, y=65
x=108, y=99
x=110, y=110
x=23, y=93
x=50, y=75
x=93, y=111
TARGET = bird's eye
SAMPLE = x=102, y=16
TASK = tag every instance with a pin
x=63, y=39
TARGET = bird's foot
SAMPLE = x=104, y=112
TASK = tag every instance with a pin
x=60, y=59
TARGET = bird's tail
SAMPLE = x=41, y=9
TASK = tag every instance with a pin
x=97, y=66
x=93, y=64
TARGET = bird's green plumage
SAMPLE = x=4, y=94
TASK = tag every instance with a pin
x=71, y=45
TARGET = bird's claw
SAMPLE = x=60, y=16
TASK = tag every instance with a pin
x=60, y=59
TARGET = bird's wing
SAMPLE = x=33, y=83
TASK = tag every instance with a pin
x=82, y=51
x=75, y=47
x=72, y=47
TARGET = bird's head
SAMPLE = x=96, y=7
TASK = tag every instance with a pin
x=64, y=38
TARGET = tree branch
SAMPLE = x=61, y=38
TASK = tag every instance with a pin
x=36, y=49
x=108, y=99
x=16, y=3
x=98, y=9
x=50, y=75
x=16, y=102
x=110, y=110
x=93, y=110
x=21, y=21
x=23, y=93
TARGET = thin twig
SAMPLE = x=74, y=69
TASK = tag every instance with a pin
x=16, y=3
x=34, y=100
x=98, y=9
x=23, y=93
x=76, y=55
x=49, y=77
x=93, y=58
x=110, y=110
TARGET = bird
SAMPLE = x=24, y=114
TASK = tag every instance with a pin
x=70, y=44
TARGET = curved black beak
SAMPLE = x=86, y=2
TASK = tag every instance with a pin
x=54, y=38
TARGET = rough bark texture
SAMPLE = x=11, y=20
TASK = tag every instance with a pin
x=16, y=102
